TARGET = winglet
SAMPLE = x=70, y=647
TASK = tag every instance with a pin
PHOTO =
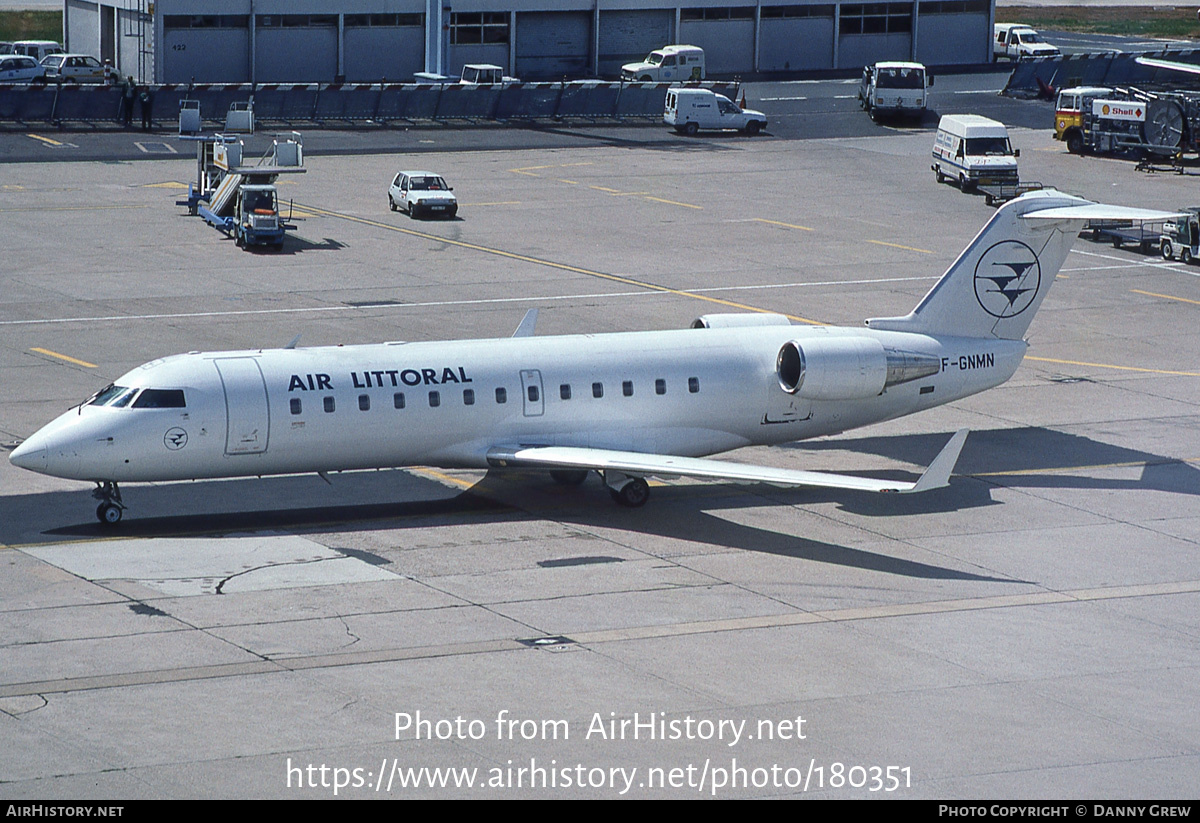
x=527, y=324
x=938, y=473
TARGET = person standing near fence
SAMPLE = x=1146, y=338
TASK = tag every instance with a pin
x=128, y=95
x=146, y=97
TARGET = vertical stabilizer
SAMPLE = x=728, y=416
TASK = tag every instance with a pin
x=997, y=284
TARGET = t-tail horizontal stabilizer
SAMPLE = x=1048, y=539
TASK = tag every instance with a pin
x=1172, y=65
x=636, y=464
x=1102, y=211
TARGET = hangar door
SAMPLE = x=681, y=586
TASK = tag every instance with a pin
x=728, y=41
x=628, y=36
x=551, y=45
x=204, y=55
x=296, y=48
x=796, y=37
x=374, y=52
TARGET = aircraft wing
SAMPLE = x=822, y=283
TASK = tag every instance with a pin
x=664, y=465
x=1155, y=63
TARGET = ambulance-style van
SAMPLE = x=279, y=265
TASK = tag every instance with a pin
x=971, y=150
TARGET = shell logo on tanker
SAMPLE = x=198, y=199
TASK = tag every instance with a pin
x=1127, y=111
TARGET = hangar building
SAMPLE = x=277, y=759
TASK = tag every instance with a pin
x=358, y=41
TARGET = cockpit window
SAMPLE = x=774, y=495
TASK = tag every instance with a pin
x=122, y=399
x=105, y=394
x=160, y=399
x=113, y=396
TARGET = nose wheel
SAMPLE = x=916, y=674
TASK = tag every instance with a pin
x=111, y=509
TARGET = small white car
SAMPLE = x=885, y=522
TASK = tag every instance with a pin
x=20, y=69
x=422, y=193
x=75, y=68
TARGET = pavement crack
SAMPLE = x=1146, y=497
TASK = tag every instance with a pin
x=220, y=586
x=354, y=638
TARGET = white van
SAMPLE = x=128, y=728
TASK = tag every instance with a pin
x=894, y=87
x=690, y=110
x=1017, y=40
x=972, y=150
x=670, y=64
x=37, y=49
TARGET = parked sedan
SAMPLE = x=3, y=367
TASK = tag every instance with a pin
x=422, y=192
x=19, y=69
x=76, y=68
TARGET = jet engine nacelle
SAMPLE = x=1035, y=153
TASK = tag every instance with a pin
x=836, y=368
x=729, y=321
x=847, y=368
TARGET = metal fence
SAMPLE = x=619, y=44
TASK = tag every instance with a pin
x=347, y=104
x=1031, y=78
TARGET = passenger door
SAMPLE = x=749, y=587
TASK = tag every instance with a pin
x=247, y=417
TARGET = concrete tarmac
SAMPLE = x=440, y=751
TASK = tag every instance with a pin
x=1029, y=632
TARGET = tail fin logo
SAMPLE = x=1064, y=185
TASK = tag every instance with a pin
x=1007, y=278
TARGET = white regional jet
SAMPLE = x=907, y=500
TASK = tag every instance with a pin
x=628, y=405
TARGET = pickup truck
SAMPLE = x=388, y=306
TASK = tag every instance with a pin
x=1017, y=40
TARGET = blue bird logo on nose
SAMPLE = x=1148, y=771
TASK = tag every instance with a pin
x=175, y=438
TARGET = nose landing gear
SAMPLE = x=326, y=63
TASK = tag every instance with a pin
x=111, y=508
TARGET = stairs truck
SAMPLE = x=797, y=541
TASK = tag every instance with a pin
x=242, y=200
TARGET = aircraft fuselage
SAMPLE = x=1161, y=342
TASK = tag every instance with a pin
x=687, y=392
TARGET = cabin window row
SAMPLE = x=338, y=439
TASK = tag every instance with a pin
x=400, y=401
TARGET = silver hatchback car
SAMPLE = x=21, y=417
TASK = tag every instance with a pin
x=422, y=193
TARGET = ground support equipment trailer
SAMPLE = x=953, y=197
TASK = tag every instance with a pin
x=995, y=194
x=1145, y=236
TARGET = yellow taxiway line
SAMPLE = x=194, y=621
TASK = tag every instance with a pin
x=48, y=141
x=780, y=223
x=1165, y=296
x=65, y=357
x=898, y=246
x=1112, y=366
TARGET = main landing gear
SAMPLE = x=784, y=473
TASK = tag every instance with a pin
x=628, y=491
x=632, y=492
x=111, y=508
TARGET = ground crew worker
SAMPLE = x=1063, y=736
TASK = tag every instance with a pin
x=147, y=99
x=128, y=95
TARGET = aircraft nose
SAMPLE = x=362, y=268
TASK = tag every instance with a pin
x=30, y=455
x=51, y=450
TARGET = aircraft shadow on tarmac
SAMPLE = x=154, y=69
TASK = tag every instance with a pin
x=385, y=500
x=1021, y=458
x=674, y=514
